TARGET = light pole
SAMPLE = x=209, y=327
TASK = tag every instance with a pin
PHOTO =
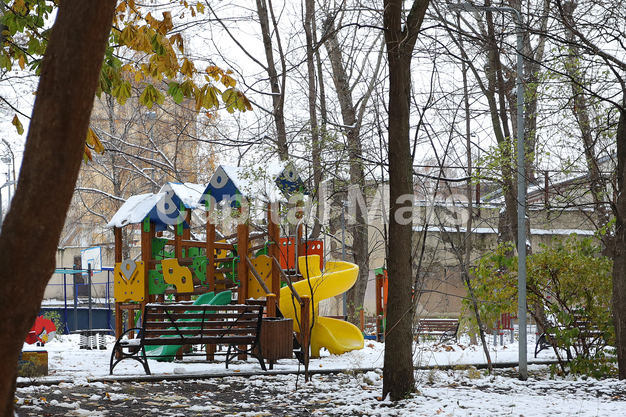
x=521, y=182
x=10, y=161
x=6, y=184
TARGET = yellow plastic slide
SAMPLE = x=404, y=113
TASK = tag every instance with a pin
x=337, y=336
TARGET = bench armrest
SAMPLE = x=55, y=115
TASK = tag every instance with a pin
x=139, y=329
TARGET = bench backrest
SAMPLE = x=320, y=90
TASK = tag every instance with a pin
x=177, y=324
x=437, y=325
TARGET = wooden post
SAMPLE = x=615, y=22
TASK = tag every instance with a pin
x=210, y=352
x=210, y=246
x=119, y=324
x=118, y=244
x=270, y=309
x=362, y=315
x=273, y=230
x=178, y=242
x=179, y=232
x=187, y=232
x=301, y=249
x=305, y=329
x=380, y=294
x=301, y=244
x=243, y=234
x=147, y=233
x=130, y=320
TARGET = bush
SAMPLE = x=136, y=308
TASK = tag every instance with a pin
x=567, y=283
x=55, y=317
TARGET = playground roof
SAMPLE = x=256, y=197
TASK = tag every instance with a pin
x=159, y=207
x=187, y=193
x=268, y=183
x=289, y=181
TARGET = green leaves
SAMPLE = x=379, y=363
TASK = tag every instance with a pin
x=174, y=91
x=162, y=56
x=122, y=92
x=150, y=96
x=180, y=91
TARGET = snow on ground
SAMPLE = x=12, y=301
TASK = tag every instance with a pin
x=451, y=387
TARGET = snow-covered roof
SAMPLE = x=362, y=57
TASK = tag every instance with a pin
x=232, y=183
x=159, y=207
x=489, y=230
x=186, y=193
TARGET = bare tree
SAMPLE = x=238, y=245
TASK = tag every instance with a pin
x=274, y=70
x=401, y=32
x=588, y=29
x=352, y=119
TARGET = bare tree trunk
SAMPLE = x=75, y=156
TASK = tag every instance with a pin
x=52, y=158
x=398, y=376
x=582, y=114
x=533, y=62
x=360, y=249
x=507, y=225
x=316, y=152
x=467, y=258
x=619, y=257
x=277, y=84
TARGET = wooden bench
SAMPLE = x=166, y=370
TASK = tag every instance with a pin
x=180, y=324
x=588, y=337
x=444, y=329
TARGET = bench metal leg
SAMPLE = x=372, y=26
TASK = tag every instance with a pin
x=139, y=356
x=136, y=352
x=255, y=351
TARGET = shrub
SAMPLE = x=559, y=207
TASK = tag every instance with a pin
x=570, y=283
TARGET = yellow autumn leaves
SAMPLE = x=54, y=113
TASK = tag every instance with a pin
x=92, y=143
x=163, y=61
x=157, y=53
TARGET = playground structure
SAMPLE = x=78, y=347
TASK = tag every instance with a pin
x=34, y=361
x=254, y=263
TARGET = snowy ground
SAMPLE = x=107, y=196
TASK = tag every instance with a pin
x=79, y=384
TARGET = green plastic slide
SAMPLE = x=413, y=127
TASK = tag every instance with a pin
x=167, y=353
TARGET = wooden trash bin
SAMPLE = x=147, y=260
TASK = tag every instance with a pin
x=276, y=339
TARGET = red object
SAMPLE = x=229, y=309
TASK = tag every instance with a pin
x=382, y=289
x=42, y=331
x=506, y=321
x=287, y=251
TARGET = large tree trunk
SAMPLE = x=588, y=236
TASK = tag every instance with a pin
x=619, y=256
x=398, y=377
x=52, y=158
